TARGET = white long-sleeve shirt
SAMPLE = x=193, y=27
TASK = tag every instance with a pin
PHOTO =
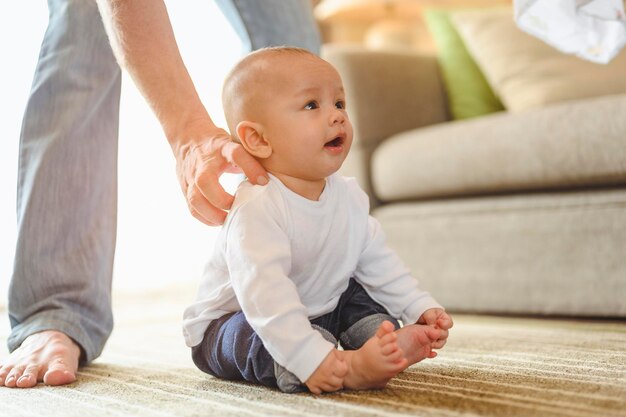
x=283, y=259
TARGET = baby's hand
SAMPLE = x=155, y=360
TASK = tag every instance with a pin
x=328, y=377
x=439, y=319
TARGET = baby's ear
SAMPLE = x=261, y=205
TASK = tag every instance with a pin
x=251, y=136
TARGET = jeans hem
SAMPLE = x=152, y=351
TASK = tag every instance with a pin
x=361, y=331
x=286, y=380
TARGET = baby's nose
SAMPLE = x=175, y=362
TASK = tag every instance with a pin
x=337, y=116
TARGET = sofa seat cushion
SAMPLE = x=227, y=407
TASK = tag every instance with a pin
x=568, y=145
x=558, y=252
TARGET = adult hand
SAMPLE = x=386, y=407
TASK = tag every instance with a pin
x=202, y=151
x=206, y=154
x=439, y=319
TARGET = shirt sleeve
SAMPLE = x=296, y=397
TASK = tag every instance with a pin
x=259, y=261
x=388, y=281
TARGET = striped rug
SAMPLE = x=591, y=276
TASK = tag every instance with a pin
x=492, y=366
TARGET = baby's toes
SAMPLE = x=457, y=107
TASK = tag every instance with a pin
x=395, y=356
x=389, y=338
x=399, y=365
x=386, y=327
x=389, y=348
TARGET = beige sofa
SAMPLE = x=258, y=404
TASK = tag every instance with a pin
x=520, y=213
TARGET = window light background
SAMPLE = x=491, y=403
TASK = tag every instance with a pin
x=158, y=242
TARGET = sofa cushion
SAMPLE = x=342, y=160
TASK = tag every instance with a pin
x=469, y=94
x=527, y=73
x=545, y=253
x=572, y=144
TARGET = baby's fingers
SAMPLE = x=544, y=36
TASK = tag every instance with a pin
x=333, y=384
x=445, y=321
x=340, y=369
x=441, y=340
x=314, y=389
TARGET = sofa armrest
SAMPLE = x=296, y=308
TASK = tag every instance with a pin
x=387, y=93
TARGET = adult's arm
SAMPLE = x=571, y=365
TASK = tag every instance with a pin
x=143, y=42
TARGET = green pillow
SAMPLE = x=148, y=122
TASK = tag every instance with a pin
x=469, y=94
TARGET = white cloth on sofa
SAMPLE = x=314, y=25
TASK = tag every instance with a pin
x=594, y=30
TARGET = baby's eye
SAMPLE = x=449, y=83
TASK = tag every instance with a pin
x=311, y=105
x=340, y=104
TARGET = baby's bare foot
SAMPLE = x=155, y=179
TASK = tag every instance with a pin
x=329, y=375
x=376, y=362
x=49, y=356
x=416, y=340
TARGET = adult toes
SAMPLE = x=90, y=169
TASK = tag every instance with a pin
x=59, y=376
x=28, y=378
x=13, y=376
x=4, y=372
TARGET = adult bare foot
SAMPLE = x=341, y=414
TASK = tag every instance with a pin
x=49, y=356
x=416, y=341
x=376, y=362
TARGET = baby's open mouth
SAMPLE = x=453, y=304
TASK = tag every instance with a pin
x=338, y=141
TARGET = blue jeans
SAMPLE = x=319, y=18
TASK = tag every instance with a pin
x=67, y=180
x=232, y=350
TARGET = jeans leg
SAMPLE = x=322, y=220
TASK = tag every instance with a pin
x=232, y=350
x=67, y=185
x=273, y=23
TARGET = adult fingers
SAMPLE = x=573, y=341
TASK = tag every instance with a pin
x=209, y=185
x=236, y=155
x=201, y=209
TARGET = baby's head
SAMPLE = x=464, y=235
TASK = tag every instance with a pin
x=287, y=108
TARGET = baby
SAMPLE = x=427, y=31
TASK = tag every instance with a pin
x=299, y=265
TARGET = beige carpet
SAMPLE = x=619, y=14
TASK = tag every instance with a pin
x=492, y=366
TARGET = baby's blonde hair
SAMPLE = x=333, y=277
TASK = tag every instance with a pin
x=245, y=78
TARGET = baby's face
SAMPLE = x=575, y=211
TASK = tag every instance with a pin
x=305, y=120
